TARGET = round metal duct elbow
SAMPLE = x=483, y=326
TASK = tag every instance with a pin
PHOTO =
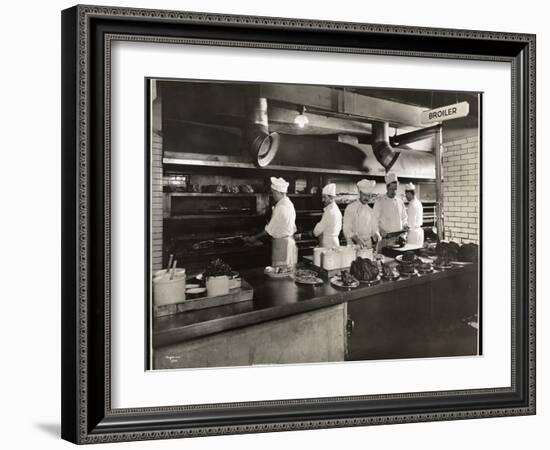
x=260, y=143
x=383, y=151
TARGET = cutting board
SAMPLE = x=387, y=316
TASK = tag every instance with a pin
x=242, y=294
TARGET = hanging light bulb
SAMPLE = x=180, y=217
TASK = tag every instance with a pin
x=301, y=119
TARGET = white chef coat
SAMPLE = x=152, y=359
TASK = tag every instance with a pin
x=360, y=220
x=281, y=228
x=329, y=226
x=283, y=220
x=391, y=213
x=415, y=235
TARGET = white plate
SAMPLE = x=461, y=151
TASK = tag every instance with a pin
x=313, y=281
x=460, y=263
x=279, y=275
x=392, y=278
x=372, y=282
x=336, y=281
x=271, y=272
x=414, y=273
x=399, y=258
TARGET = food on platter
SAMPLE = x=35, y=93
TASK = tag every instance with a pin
x=347, y=278
x=442, y=263
x=447, y=250
x=308, y=279
x=468, y=252
x=409, y=263
x=406, y=268
x=408, y=256
x=364, y=269
x=305, y=273
x=424, y=267
x=389, y=272
x=344, y=280
x=279, y=271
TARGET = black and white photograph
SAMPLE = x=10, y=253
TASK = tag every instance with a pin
x=297, y=224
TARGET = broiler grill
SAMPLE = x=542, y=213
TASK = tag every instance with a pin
x=200, y=227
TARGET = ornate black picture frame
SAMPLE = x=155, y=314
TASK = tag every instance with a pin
x=87, y=34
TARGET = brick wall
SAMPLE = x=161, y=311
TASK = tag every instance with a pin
x=156, y=202
x=461, y=189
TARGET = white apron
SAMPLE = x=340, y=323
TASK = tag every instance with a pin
x=366, y=239
x=415, y=236
x=328, y=241
x=284, y=252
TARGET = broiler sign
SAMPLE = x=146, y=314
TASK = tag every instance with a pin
x=446, y=112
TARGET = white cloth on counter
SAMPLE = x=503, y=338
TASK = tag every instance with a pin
x=415, y=235
x=391, y=214
x=329, y=226
x=361, y=221
x=283, y=220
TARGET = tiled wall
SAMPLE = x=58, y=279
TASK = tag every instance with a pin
x=156, y=201
x=461, y=189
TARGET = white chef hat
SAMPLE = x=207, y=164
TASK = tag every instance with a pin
x=279, y=185
x=329, y=189
x=366, y=186
x=391, y=177
x=409, y=187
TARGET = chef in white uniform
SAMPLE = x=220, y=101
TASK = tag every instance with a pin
x=281, y=227
x=360, y=222
x=390, y=209
x=330, y=225
x=415, y=235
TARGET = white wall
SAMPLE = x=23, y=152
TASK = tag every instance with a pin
x=30, y=189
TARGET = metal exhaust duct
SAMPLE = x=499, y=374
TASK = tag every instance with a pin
x=413, y=136
x=411, y=163
x=259, y=142
x=383, y=151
